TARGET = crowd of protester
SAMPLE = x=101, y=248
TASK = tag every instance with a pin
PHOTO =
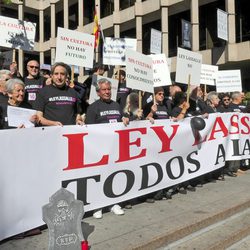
x=60, y=100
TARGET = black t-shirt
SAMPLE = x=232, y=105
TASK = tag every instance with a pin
x=236, y=107
x=224, y=109
x=122, y=94
x=32, y=87
x=3, y=113
x=103, y=112
x=58, y=104
x=176, y=111
x=161, y=112
x=210, y=110
x=247, y=109
x=3, y=98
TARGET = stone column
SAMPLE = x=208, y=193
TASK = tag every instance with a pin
x=230, y=8
x=164, y=28
x=195, y=25
x=41, y=34
x=138, y=17
x=53, y=30
x=66, y=14
x=80, y=14
x=20, y=51
x=116, y=18
x=80, y=28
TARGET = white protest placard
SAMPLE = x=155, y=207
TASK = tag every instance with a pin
x=114, y=50
x=208, y=74
x=222, y=25
x=139, y=71
x=17, y=33
x=155, y=41
x=6, y=58
x=20, y=116
x=188, y=63
x=93, y=94
x=75, y=48
x=169, y=61
x=161, y=72
x=228, y=81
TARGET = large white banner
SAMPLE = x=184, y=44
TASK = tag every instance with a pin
x=93, y=94
x=155, y=41
x=75, y=48
x=139, y=71
x=188, y=64
x=161, y=72
x=17, y=33
x=208, y=74
x=114, y=50
x=109, y=163
x=222, y=24
x=228, y=81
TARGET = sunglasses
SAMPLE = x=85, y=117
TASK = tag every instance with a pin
x=226, y=99
x=32, y=67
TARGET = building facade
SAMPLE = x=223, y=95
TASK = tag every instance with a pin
x=134, y=19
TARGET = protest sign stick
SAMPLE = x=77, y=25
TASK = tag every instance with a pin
x=205, y=92
x=72, y=76
x=188, y=89
x=140, y=99
x=13, y=55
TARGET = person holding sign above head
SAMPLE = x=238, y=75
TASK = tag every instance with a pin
x=197, y=103
x=98, y=70
x=169, y=100
x=57, y=104
x=122, y=91
x=33, y=81
x=105, y=110
x=158, y=109
x=181, y=106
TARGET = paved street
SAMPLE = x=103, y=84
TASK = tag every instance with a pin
x=152, y=226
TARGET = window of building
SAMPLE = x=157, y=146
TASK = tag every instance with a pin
x=88, y=11
x=126, y=3
x=146, y=31
x=208, y=25
x=242, y=20
x=175, y=32
x=107, y=8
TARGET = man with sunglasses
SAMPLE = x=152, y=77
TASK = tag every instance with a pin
x=225, y=103
x=33, y=81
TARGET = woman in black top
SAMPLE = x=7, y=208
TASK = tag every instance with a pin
x=16, y=92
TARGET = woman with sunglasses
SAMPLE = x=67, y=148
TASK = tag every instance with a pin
x=158, y=109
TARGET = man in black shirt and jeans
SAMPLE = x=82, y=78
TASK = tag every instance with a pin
x=105, y=110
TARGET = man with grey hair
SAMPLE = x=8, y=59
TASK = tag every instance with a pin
x=105, y=110
x=235, y=105
x=5, y=75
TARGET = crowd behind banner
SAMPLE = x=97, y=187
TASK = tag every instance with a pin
x=60, y=100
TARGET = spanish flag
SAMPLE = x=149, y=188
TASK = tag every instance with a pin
x=96, y=29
